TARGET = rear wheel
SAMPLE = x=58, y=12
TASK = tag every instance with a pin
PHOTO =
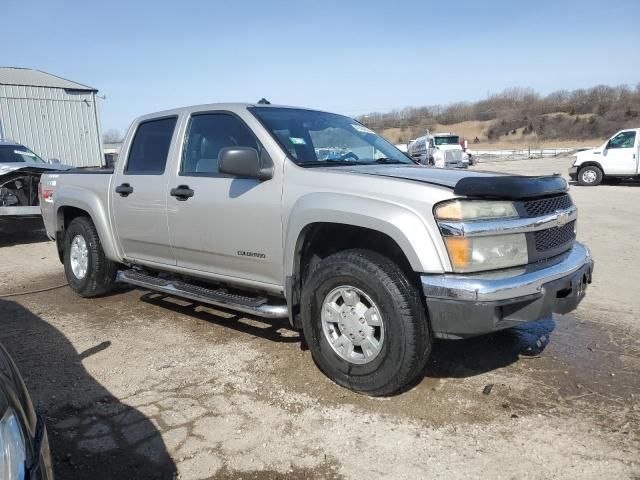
x=364, y=323
x=590, y=176
x=89, y=272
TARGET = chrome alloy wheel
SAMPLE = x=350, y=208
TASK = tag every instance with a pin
x=79, y=257
x=352, y=324
x=589, y=176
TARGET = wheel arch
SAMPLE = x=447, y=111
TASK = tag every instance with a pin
x=393, y=231
x=75, y=207
x=591, y=163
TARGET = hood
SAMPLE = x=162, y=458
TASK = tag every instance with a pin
x=449, y=147
x=31, y=167
x=475, y=184
x=588, y=152
x=435, y=176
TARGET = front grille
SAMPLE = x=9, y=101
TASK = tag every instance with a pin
x=452, y=156
x=544, y=206
x=554, y=237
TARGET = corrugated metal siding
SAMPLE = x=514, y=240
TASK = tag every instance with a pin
x=36, y=78
x=53, y=122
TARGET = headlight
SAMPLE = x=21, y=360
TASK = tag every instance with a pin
x=473, y=254
x=475, y=210
x=470, y=253
x=12, y=448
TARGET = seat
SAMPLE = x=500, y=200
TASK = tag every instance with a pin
x=208, y=162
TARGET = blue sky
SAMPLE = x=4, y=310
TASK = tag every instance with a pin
x=347, y=56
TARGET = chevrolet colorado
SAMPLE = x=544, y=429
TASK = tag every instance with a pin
x=287, y=212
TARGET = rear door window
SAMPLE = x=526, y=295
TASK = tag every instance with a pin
x=150, y=147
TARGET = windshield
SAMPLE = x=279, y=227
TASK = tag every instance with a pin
x=18, y=154
x=325, y=139
x=449, y=140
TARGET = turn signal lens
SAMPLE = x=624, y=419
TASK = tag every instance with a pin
x=459, y=252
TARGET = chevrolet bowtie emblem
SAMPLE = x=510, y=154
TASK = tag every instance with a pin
x=563, y=218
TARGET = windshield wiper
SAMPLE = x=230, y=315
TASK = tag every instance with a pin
x=327, y=163
x=387, y=160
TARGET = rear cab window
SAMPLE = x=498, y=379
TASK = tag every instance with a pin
x=150, y=147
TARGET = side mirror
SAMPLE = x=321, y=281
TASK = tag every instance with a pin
x=245, y=162
x=54, y=160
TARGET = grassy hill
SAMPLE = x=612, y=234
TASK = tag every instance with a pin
x=520, y=118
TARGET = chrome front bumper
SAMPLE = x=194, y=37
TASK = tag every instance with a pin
x=467, y=305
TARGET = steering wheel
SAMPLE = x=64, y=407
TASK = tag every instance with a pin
x=349, y=155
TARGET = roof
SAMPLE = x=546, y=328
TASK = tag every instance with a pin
x=37, y=78
x=234, y=107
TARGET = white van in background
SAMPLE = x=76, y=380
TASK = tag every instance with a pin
x=616, y=159
x=442, y=150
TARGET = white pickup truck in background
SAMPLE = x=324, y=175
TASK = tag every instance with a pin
x=618, y=158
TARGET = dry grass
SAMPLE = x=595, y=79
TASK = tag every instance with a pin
x=476, y=128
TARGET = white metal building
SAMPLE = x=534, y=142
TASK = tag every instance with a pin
x=56, y=118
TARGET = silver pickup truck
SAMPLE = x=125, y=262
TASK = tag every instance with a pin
x=287, y=212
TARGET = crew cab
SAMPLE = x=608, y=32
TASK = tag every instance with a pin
x=285, y=212
x=618, y=158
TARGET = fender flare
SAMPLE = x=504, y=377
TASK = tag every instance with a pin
x=401, y=224
x=91, y=204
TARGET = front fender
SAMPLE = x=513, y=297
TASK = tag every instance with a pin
x=398, y=222
x=88, y=201
x=588, y=156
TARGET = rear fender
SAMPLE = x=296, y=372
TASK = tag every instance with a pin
x=88, y=202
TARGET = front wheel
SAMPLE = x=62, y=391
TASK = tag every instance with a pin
x=364, y=323
x=89, y=272
x=590, y=176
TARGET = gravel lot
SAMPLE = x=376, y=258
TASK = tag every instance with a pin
x=135, y=385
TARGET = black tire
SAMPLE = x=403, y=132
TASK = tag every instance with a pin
x=590, y=176
x=431, y=162
x=101, y=272
x=407, y=342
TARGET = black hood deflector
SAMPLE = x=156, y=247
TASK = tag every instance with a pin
x=470, y=183
x=510, y=187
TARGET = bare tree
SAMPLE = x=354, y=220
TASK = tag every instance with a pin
x=556, y=115
x=112, y=136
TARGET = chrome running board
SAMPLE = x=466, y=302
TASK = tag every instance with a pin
x=258, y=305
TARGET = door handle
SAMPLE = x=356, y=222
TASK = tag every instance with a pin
x=182, y=192
x=124, y=190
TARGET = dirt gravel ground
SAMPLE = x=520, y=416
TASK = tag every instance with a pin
x=136, y=385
